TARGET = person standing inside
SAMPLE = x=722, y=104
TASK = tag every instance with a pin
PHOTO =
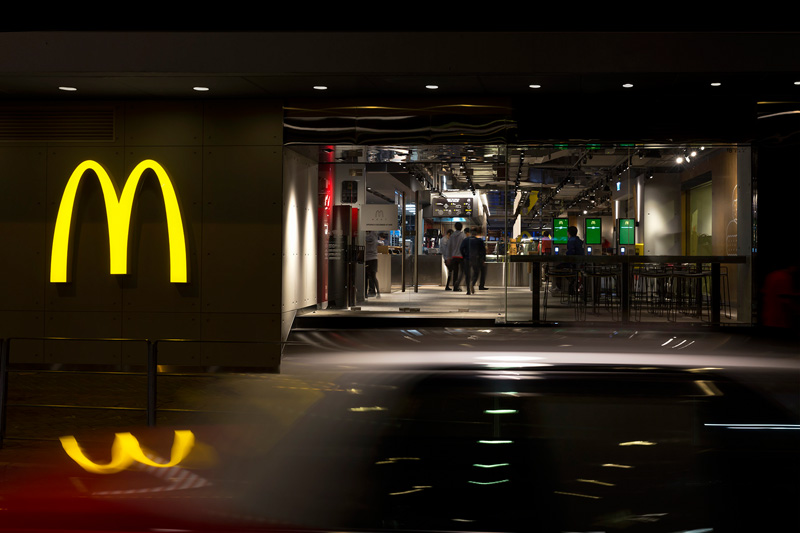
x=480, y=274
x=574, y=247
x=574, y=243
x=456, y=259
x=371, y=260
x=447, y=255
x=467, y=265
x=546, y=246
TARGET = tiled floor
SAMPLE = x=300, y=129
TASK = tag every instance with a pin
x=511, y=305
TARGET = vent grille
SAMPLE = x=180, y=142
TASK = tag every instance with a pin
x=51, y=124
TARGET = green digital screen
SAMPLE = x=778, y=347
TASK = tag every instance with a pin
x=560, y=235
x=593, y=231
x=626, y=233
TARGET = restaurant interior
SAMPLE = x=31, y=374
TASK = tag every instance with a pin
x=656, y=220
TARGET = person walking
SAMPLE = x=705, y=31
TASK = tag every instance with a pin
x=371, y=260
x=456, y=259
x=467, y=265
x=447, y=255
x=478, y=260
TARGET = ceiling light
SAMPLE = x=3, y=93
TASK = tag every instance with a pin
x=320, y=87
x=534, y=86
x=716, y=84
x=627, y=85
x=797, y=83
x=64, y=88
x=431, y=86
x=693, y=154
x=679, y=160
x=200, y=89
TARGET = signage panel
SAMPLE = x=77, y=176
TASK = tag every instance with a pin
x=626, y=231
x=118, y=214
x=379, y=217
x=593, y=231
x=452, y=207
x=560, y=226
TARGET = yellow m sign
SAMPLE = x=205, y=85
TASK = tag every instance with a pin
x=118, y=212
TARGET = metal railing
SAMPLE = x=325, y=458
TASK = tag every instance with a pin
x=151, y=370
x=625, y=264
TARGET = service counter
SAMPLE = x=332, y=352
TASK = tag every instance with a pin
x=433, y=272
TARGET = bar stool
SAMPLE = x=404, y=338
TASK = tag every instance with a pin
x=692, y=290
x=602, y=283
x=655, y=291
x=560, y=277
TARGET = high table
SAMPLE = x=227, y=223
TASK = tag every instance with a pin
x=625, y=262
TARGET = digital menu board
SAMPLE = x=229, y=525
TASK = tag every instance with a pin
x=626, y=230
x=593, y=232
x=452, y=207
x=560, y=235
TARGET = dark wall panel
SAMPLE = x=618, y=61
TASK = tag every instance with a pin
x=163, y=124
x=225, y=162
x=22, y=243
x=242, y=229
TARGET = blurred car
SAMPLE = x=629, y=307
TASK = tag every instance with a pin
x=506, y=448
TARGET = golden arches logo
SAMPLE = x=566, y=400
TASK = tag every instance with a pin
x=126, y=450
x=118, y=213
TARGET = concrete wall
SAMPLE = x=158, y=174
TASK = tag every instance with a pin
x=225, y=160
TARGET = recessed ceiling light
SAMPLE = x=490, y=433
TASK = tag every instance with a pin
x=320, y=87
x=627, y=85
x=200, y=89
x=535, y=86
x=716, y=84
x=431, y=86
x=64, y=88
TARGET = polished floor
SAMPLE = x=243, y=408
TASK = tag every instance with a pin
x=500, y=305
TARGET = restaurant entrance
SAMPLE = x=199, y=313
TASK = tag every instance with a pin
x=385, y=213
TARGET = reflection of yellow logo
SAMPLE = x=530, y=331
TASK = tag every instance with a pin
x=118, y=212
x=126, y=450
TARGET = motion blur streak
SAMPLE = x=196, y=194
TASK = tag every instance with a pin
x=126, y=450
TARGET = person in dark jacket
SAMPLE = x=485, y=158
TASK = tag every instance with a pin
x=474, y=251
x=574, y=243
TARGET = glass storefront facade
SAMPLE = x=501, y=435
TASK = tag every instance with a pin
x=666, y=230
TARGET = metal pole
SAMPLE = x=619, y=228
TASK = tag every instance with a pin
x=417, y=218
x=624, y=293
x=536, y=283
x=4, y=349
x=715, y=295
x=403, y=244
x=152, y=366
